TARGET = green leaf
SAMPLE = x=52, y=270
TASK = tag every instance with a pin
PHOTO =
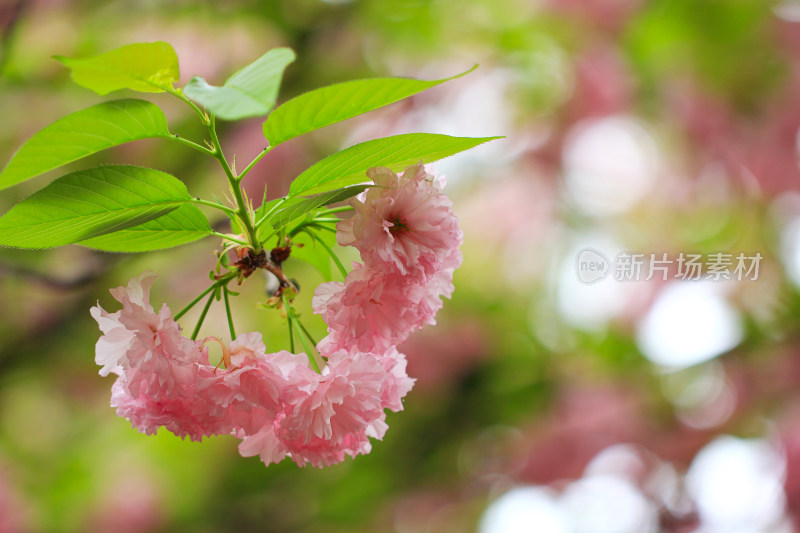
x=335, y=103
x=314, y=253
x=144, y=67
x=88, y=203
x=183, y=225
x=397, y=152
x=251, y=92
x=83, y=133
x=297, y=207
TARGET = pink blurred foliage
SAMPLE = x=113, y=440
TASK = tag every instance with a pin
x=760, y=146
x=787, y=37
x=14, y=512
x=789, y=439
x=521, y=203
x=49, y=4
x=439, y=356
x=603, y=84
x=133, y=504
x=583, y=422
x=276, y=171
x=586, y=420
x=426, y=511
x=778, y=379
x=608, y=15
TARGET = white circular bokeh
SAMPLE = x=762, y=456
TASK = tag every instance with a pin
x=689, y=323
x=609, y=165
x=525, y=510
x=737, y=485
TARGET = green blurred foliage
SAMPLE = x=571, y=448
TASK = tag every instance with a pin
x=496, y=373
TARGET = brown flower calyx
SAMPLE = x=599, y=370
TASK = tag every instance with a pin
x=249, y=261
x=280, y=254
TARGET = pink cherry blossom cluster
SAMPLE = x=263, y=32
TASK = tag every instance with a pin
x=408, y=238
x=275, y=403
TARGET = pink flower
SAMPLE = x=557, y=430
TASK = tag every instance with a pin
x=252, y=393
x=373, y=311
x=332, y=415
x=404, y=225
x=396, y=383
x=275, y=403
x=440, y=284
x=174, y=411
x=263, y=443
x=137, y=342
x=158, y=368
x=370, y=312
x=119, y=329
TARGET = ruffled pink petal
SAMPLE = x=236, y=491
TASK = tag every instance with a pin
x=405, y=225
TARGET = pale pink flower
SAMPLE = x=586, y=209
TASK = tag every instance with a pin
x=332, y=415
x=373, y=311
x=264, y=443
x=119, y=328
x=158, y=367
x=396, y=383
x=370, y=312
x=440, y=284
x=274, y=402
x=404, y=224
x=174, y=410
x=251, y=393
x=138, y=342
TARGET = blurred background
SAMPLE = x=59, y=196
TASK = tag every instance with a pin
x=542, y=403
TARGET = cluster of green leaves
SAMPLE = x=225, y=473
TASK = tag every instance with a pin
x=125, y=208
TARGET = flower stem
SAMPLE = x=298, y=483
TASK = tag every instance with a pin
x=305, y=336
x=311, y=350
x=289, y=319
x=215, y=205
x=179, y=93
x=228, y=312
x=194, y=302
x=202, y=316
x=229, y=238
x=255, y=160
x=323, y=226
x=330, y=251
x=217, y=283
x=269, y=213
x=333, y=210
x=243, y=210
x=191, y=144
